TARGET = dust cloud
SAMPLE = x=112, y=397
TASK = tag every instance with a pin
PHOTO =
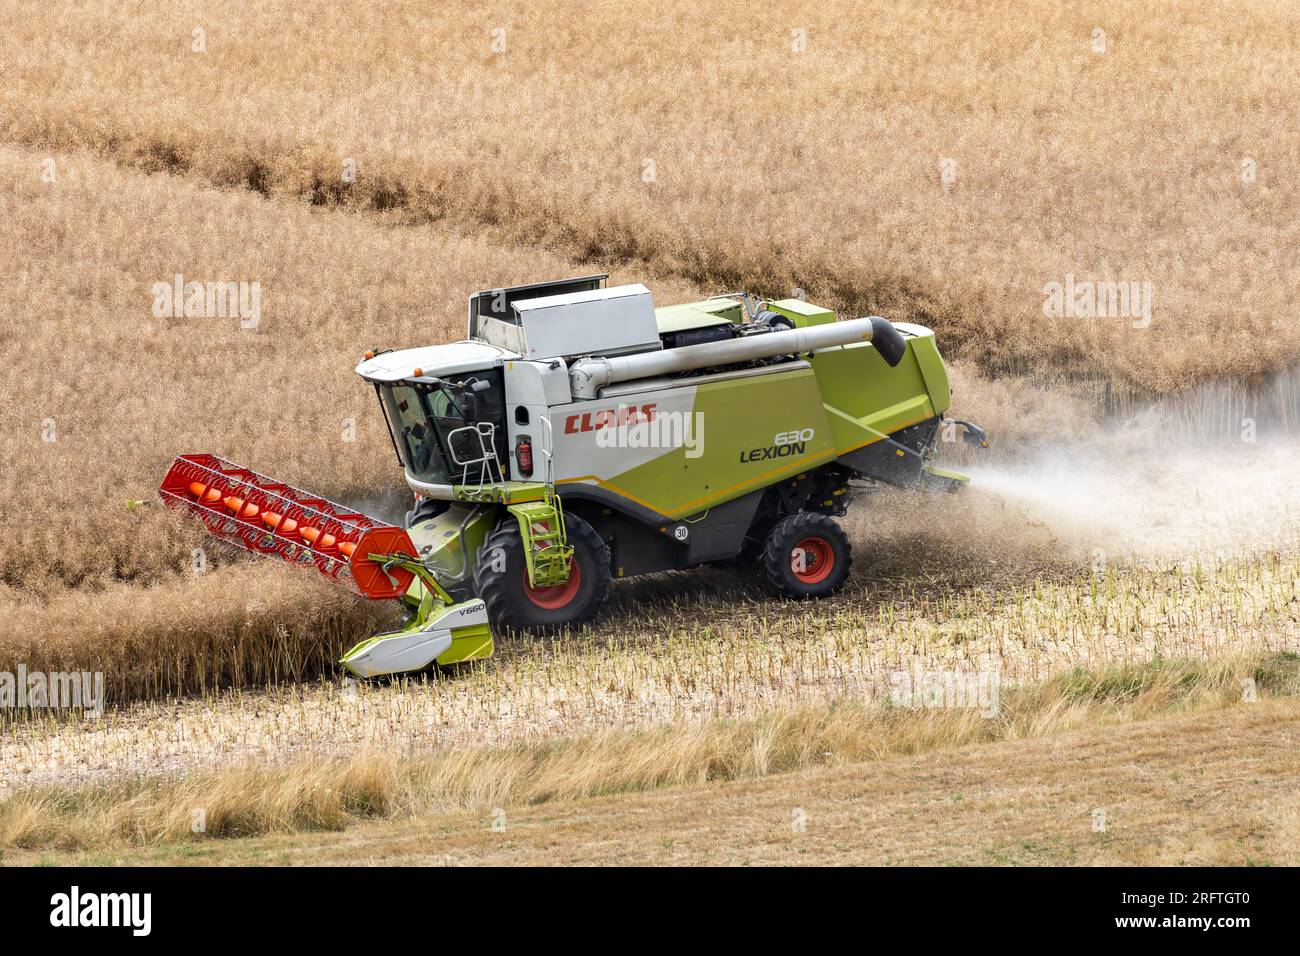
x=1214, y=473
x=1163, y=503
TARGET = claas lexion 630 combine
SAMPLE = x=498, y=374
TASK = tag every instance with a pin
x=579, y=434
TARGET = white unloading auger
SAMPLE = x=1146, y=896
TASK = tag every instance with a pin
x=589, y=375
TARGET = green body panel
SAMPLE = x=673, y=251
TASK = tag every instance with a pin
x=450, y=552
x=468, y=644
x=503, y=493
x=866, y=399
x=942, y=477
x=933, y=371
x=742, y=418
x=848, y=399
x=802, y=313
x=698, y=315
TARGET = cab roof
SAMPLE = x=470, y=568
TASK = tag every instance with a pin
x=433, y=361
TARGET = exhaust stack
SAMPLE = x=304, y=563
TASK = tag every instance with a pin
x=588, y=376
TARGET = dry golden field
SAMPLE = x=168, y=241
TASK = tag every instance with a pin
x=929, y=162
x=769, y=167
x=1023, y=801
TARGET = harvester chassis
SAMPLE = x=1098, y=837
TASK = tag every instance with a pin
x=543, y=457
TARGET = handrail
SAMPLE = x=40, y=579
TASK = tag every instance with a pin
x=487, y=460
x=547, y=439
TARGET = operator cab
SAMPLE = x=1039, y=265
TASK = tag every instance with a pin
x=429, y=425
x=445, y=408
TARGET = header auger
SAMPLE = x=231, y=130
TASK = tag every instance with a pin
x=271, y=518
x=578, y=434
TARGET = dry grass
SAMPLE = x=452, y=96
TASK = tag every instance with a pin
x=314, y=793
x=233, y=627
x=125, y=392
x=1212, y=787
x=773, y=169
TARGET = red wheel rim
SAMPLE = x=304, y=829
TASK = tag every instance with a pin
x=557, y=595
x=812, y=560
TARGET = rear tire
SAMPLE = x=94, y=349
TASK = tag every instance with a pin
x=807, y=556
x=501, y=580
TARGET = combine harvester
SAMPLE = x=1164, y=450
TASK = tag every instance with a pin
x=579, y=434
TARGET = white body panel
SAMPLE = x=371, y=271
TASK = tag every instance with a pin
x=532, y=390
x=399, y=655
x=621, y=319
x=601, y=439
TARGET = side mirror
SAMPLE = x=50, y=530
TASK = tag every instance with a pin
x=469, y=406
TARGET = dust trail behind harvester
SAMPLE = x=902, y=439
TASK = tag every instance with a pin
x=1064, y=488
x=1162, y=504
x=1214, y=473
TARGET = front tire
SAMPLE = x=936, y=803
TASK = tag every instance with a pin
x=807, y=556
x=425, y=509
x=501, y=580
